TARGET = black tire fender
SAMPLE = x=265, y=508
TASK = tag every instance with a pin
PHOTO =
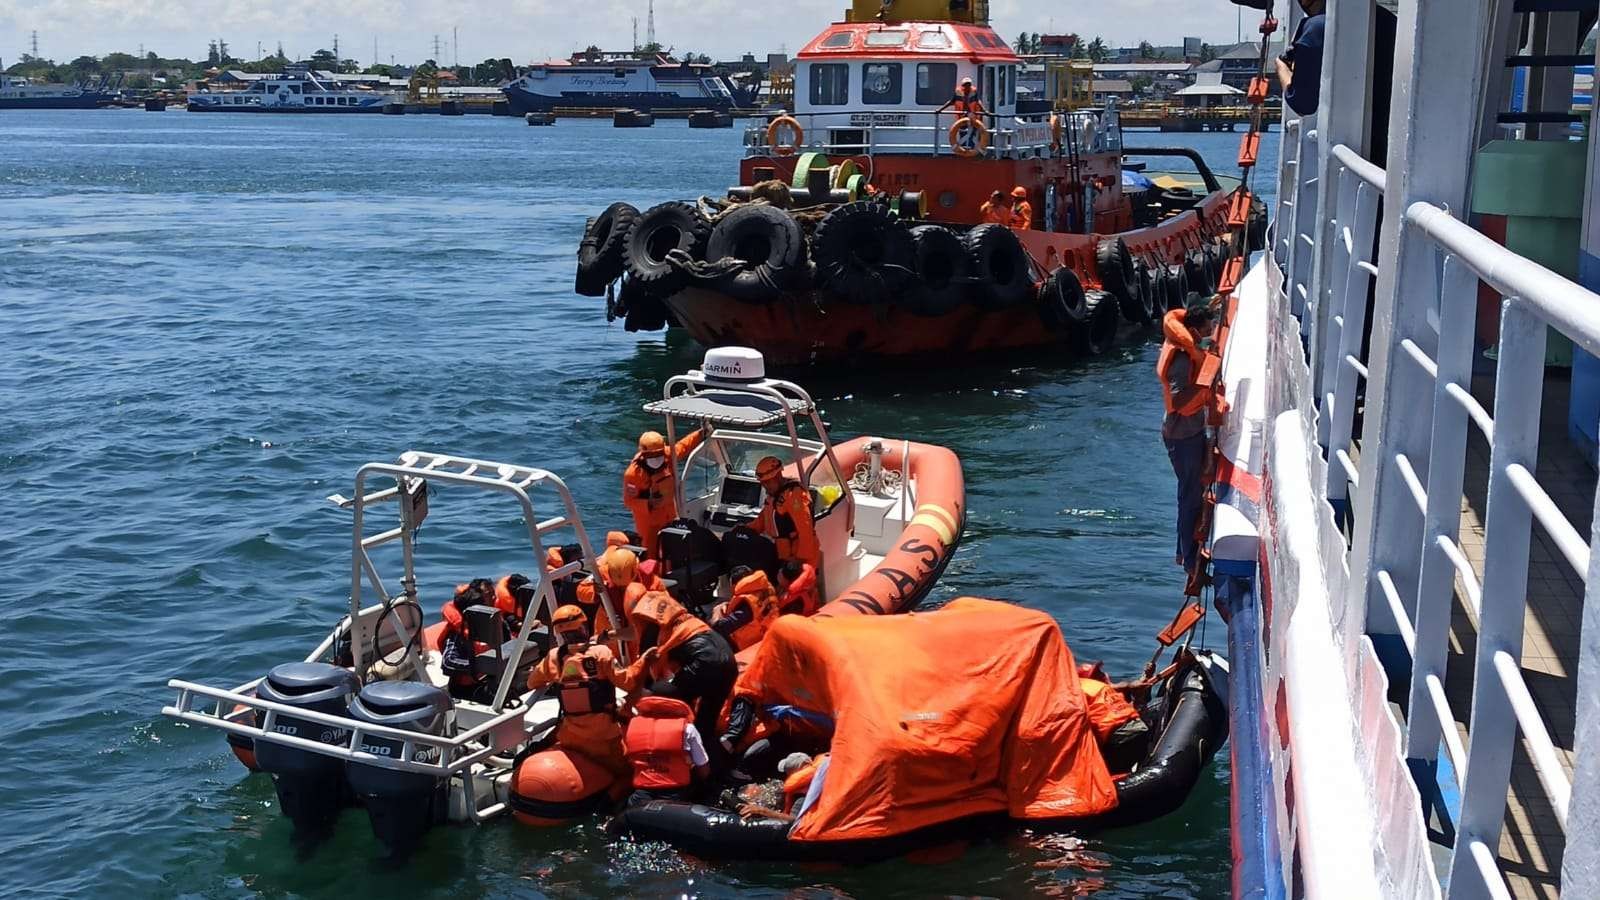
x=1114, y=265
x=769, y=245
x=674, y=225
x=863, y=254
x=1001, y=271
x=942, y=271
x=600, y=254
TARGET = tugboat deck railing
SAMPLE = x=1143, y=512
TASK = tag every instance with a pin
x=1017, y=137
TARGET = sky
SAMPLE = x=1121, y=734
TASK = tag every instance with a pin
x=526, y=30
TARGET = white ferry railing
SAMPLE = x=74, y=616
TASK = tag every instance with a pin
x=1358, y=187
x=1502, y=707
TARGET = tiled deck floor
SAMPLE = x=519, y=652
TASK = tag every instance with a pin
x=1532, y=841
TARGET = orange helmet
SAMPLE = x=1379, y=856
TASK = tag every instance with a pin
x=616, y=539
x=570, y=625
x=1019, y=192
x=619, y=566
x=651, y=443
x=768, y=468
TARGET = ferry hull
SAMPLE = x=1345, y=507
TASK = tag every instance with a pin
x=524, y=101
x=85, y=101
x=308, y=110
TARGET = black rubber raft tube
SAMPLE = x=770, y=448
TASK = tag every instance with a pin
x=1196, y=723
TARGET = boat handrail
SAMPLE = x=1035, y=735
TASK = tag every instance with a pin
x=1020, y=136
x=455, y=752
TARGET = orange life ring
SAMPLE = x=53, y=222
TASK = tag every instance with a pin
x=982, y=142
x=772, y=135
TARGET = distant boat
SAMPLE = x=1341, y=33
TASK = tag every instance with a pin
x=622, y=80
x=295, y=91
x=21, y=93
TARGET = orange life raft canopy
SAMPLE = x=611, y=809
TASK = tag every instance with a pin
x=972, y=709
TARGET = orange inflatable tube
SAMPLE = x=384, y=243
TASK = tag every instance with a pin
x=924, y=547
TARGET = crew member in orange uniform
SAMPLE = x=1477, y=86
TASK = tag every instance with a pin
x=797, y=587
x=996, y=210
x=692, y=663
x=966, y=105
x=587, y=679
x=664, y=750
x=786, y=516
x=1021, y=209
x=749, y=613
x=648, y=489
x=1186, y=355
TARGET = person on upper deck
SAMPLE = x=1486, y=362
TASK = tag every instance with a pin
x=1021, y=209
x=1300, y=66
x=786, y=516
x=966, y=105
x=648, y=489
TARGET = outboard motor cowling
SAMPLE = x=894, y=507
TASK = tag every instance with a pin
x=402, y=806
x=310, y=786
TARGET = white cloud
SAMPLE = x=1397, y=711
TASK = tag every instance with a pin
x=529, y=29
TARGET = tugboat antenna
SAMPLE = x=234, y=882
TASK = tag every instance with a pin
x=650, y=27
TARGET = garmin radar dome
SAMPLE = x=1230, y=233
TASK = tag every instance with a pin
x=735, y=365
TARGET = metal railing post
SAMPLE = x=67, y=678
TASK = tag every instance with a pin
x=1341, y=119
x=1347, y=377
x=1283, y=222
x=1446, y=471
x=1519, y=387
x=1304, y=226
x=1580, y=861
x=1435, y=54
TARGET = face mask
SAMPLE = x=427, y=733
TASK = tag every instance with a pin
x=654, y=462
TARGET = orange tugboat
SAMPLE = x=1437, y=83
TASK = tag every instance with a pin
x=911, y=205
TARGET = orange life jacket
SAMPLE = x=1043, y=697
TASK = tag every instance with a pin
x=1022, y=215
x=674, y=624
x=753, y=592
x=1178, y=339
x=506, y=601
x=455, y=622
x=799, y=781
x=967, y=105
x=654, y=744
x=583, y=688
x=786, y=518
x=802, y=597
x=1107, y=708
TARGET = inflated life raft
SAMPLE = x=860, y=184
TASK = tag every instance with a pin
x=980, y=720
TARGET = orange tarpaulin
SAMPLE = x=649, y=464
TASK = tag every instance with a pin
x=974, y=708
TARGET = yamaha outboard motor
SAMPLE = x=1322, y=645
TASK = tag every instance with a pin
x=311, y=788
x=401, y=805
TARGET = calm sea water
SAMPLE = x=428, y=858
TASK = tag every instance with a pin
x=208, y=322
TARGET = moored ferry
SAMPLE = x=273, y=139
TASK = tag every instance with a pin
x=604, y=80
x=21, y=93
x=857, y=230
x=294, y=91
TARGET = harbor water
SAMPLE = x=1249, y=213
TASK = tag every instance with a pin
x=207, y=323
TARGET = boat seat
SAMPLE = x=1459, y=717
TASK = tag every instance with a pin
x=487, y=625
x=694, y=560
x=746, y=547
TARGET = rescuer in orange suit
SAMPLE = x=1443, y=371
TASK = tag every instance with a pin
x=996, y=210
x=966, y=105
x=691, y=662
x=648, y=489
x=786, y=516
x=586, y=677
x=1186, y=354
x=1021, y=209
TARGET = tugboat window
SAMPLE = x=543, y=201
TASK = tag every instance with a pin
x=880, y=83
x=836, y=40
x=891, y=38
x=936, y=83
x=933, y=40
x=830, y=84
